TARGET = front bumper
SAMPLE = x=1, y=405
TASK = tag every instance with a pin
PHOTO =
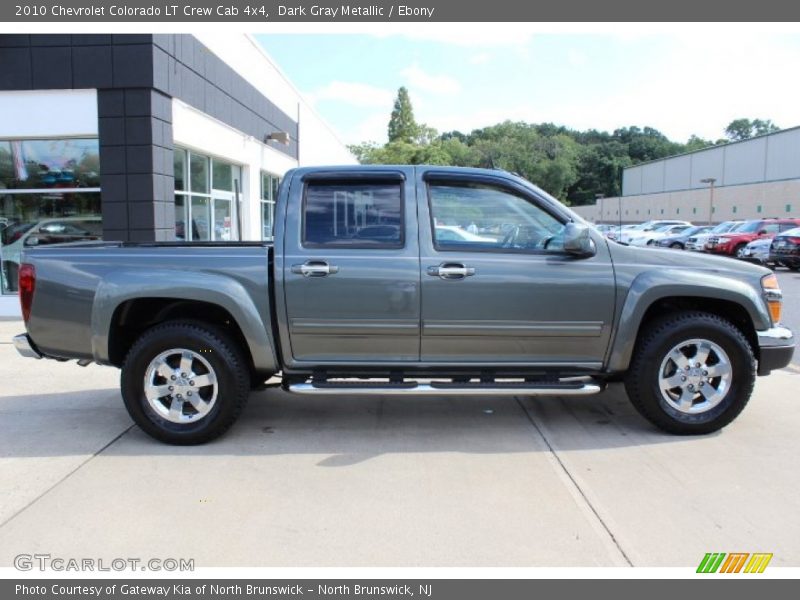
x=25, y=346
x=776, y=347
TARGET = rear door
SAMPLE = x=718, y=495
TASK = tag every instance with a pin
x=502, y=291
x=351, y=268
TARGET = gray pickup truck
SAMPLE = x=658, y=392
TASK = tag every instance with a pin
x=407, y=280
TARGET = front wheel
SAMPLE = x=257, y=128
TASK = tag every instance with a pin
x=185, y=383
x=691, y=373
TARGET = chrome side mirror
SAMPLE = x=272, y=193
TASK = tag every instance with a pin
x=578, y=240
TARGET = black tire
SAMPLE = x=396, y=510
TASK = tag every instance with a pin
x=224, y=356
x=657, y=339
x=676, y=246
x=738, y=249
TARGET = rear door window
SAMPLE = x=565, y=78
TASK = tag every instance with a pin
x=353, y=215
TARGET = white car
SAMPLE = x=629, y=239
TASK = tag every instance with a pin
x=453, y=233
x=628, y=235
x=648, y=238
x=698, y=242
x=15, y=238
x=757, y=252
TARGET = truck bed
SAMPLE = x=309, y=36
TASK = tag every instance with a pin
x=84, y=289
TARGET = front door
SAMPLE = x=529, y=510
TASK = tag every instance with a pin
x=497, y=287
x=351, y=268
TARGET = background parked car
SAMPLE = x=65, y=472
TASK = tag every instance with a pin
x=649, y=238
x=731, y=244
x=635, y=231
x=454, y=234
x=48, y=231
x=785, y=249
x=678, y=240
x=757, y=252
x=698, y=241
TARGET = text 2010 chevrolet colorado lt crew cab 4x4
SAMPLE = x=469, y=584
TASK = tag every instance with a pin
x=407, y=280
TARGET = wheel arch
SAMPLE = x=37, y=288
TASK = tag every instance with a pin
x=122, y=312
x=648, y=298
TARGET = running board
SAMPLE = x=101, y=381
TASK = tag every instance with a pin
x=448, y=389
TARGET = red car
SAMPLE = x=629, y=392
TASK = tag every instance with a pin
x=734, y=242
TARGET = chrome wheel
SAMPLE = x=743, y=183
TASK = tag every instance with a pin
x=180, y=386
x=695, y=376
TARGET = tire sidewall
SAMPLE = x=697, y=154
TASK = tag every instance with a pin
x=219, y=355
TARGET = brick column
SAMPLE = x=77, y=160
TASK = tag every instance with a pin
x=136, y=168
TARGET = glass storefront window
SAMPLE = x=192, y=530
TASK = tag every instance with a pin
x=59, y=163
x=199, y=173
x=207, y=210
x=180, y=170
x=269, y=193
x=49, y=194
x=223, y=176
x=37, y=219
x=222, y=219
x=201, y=218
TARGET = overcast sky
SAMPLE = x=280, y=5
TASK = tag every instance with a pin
x=681, y=82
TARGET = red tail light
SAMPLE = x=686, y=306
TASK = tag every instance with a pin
x=27, y=285
x=793, y=240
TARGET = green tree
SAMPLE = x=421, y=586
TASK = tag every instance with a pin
x=743, y=129
x=402, y=126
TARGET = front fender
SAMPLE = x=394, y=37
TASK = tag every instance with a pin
x=652, y=286
x=124, y=285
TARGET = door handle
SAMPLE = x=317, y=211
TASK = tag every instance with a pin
x=451, y=271
x=315, y=268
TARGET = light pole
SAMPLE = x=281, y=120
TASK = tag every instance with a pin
x=710, y=181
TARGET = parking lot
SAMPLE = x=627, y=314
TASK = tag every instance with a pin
x=386, y=481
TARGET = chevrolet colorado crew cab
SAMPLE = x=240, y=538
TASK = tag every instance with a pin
x=406, y=280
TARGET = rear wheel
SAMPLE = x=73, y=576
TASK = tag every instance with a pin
x=676, y=246
x=185, y=383
x=691, y=373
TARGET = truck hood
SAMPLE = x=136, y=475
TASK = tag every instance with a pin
x=660, y=258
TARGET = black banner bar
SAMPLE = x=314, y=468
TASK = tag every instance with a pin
x=395, y=589
x=261, y=11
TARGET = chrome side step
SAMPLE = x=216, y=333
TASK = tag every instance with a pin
x=447, y=389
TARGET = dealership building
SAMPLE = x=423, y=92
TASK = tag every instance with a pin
x=751, y=179
x=145, y=138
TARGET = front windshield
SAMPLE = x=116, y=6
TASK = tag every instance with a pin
x=723, y=227
x=748, y=227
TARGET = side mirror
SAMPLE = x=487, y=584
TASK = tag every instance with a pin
x=578, y=240
x=762, y=232
x=32, y=240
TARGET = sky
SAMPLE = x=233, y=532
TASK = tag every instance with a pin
x=681, y=82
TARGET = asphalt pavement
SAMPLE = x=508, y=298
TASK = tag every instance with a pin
x=390, y=481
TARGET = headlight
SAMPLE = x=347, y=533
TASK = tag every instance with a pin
x=772, y=292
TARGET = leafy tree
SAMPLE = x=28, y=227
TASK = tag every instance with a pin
x=402, y=126
x=575, y=166
x=743, y=129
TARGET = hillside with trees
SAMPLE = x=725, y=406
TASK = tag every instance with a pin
x=575, y=166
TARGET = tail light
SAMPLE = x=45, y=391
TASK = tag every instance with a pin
x=772, y=292
x=27, y=285
x=792, y=240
